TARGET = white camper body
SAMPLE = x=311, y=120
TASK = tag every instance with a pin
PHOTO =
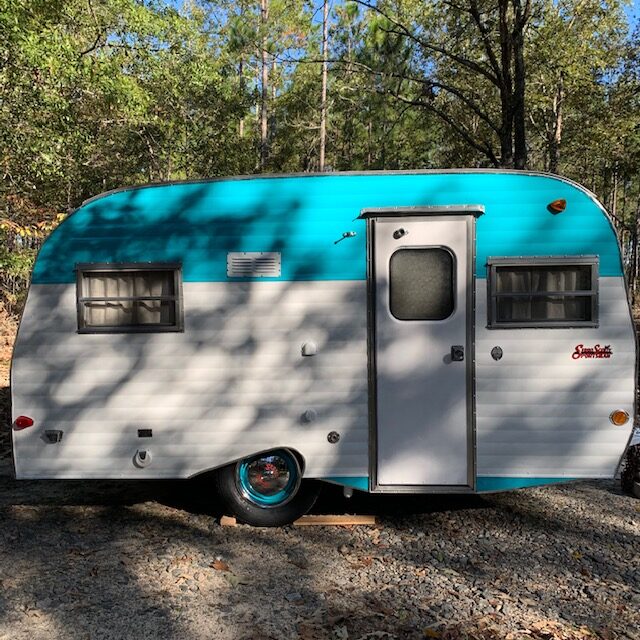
x=409, y=332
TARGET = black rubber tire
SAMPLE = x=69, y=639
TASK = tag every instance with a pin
x=631, y=470
x=247, y=512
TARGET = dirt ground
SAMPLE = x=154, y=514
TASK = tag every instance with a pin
x=112, y=560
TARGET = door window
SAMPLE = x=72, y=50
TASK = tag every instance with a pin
x=421, y=284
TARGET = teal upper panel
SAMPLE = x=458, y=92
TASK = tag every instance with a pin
x=302, y=217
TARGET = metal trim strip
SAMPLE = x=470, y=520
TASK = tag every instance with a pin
x=455, y=209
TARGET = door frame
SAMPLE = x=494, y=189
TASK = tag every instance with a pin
x=470, y=213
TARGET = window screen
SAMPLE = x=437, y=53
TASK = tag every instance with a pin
x=421, y=284
x=129, y=299
x=554, y=292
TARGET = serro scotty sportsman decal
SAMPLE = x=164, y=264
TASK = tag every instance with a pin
x=596, y=351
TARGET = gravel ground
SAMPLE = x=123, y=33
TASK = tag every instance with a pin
x=98, y=560
x=150, y=560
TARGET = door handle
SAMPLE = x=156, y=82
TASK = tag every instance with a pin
x=457, y=353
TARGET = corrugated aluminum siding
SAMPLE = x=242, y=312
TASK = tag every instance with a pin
x=234, y=383
x=541, y=413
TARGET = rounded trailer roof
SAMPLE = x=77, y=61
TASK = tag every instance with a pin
x=198, y=222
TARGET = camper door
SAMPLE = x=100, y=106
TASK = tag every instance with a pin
x=422, y=290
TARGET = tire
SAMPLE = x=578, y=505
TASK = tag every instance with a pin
x=266, y=490
x=630, y=475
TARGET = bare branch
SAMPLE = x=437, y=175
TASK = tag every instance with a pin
x=469, y=103
x=100, y=31
x=93, y=47
x=404, y=31
x=486, y=37
x=483, y=147
x=425, y=82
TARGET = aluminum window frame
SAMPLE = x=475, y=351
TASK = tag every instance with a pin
x=130, y=267
x=542, y=261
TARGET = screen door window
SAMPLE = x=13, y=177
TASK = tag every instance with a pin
x=421, y=284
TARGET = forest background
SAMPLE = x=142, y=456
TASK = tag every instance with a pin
x=98, y=94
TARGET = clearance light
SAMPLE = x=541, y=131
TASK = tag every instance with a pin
x=22, y=422
x=619, y=417
x=557, y=206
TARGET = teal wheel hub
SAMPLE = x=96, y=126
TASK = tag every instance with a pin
x=270, y=479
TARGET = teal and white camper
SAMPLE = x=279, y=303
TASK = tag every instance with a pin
x=419, y=332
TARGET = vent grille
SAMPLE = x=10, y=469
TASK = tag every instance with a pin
x=257, y=264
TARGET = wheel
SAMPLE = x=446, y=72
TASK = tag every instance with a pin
x=630, y=476
x=266, y=490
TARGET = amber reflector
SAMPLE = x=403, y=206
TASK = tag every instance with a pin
x=619, y=417
x=557, y=206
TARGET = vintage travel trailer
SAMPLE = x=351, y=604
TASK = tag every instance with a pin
x=417, y=332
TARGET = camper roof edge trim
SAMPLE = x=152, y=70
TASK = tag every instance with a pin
x=330, y=174
x=455, y=209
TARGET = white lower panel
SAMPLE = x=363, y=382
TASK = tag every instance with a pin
x=541, y=413
x=234, y=383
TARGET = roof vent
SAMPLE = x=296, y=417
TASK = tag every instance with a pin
x=257, y=264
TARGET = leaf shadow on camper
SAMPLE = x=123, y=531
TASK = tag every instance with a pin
x=98, y=378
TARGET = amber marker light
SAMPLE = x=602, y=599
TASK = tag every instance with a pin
x=619, y=417
x=557, y=206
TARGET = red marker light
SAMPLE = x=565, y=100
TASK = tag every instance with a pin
x=22, y=422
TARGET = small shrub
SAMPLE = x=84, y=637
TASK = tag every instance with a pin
x=15, y=271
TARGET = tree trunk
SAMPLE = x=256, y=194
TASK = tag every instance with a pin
x=323, y=104
x=555, y=133
x=274, y=73
x=519, y=114
x=506, y=89
x=264, y=115
x=242, y=89
x=271, y=127
x=633, y=267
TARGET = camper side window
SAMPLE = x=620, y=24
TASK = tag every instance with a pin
x=543, y=292
x=116, y=298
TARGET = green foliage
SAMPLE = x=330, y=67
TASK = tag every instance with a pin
x=15, y=267
x=97, y=94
